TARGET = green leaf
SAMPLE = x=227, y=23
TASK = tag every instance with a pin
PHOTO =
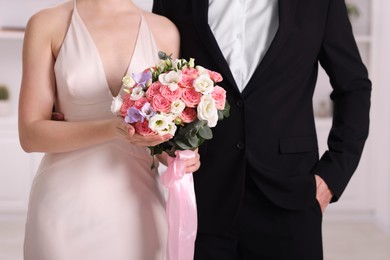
x=220, y=115
x=158, y=149
x=226, y=110
x=201, y=141
x=163, y=56
x=353, y=10
x=193, y=141
x=205, y=132
x=190, y=129
x=183, y=145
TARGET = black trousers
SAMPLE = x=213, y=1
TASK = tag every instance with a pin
x=264, y=231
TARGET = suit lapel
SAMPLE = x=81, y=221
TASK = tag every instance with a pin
x=200, y=13
x=286, y=23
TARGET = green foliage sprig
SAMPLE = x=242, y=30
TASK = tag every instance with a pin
x=353, y=10
x=4, y=93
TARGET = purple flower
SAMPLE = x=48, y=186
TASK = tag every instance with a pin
x=142, y=78
x=134, y=115
x=147, y=111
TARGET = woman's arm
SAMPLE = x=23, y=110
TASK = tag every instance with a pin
x=37, y=132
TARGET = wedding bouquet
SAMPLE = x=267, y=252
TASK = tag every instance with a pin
x=174, y=97
x=178, y=98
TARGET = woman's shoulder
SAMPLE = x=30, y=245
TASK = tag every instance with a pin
x=159, y=20
x=50, y=20
x=165, y=32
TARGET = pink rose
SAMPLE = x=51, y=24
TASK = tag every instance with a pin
x=188, y=77
x=215, y=76
x=188, y=115
x=142, y=128
x=169, y=94
x=190, y=72
x=161, y=104
x=191, y=97
x=141, y=102
x=153, y=90
x=219, y=95
x=186, y=82
x=127, y=103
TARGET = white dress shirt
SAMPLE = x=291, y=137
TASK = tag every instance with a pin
x=244, y=30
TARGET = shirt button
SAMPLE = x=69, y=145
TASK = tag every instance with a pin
x=239, y=35
x=239, y=103
x=240, y=146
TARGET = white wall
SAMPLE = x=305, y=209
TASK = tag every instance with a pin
x=380, y=115
x=22, y=9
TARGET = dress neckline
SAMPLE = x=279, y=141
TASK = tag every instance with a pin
x=93, y=43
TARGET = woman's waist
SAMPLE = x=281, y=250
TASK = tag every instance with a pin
x=108, y=154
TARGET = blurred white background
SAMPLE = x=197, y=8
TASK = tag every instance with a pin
x=357, y=227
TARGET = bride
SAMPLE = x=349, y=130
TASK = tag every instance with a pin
x=94, y=196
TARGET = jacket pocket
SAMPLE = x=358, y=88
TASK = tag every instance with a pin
x=300, y=144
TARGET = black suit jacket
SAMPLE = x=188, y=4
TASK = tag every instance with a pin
x=271, y=126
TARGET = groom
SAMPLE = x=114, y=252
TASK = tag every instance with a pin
x=262, y=187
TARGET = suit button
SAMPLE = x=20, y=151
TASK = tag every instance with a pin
x=240, y=146
x=240, y=104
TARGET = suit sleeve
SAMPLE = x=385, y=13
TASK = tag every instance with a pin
x=340, y=58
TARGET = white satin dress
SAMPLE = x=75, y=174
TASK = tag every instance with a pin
x=102, y=202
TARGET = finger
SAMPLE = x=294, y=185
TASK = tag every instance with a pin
x=130, y=129
x=193, y=167
x=167, y=136
x=146, y=143
x=150, y=140
x=193, y=160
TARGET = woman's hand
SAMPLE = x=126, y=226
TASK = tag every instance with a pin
x=126, y=131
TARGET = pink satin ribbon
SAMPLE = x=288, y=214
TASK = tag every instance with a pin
x=181, y=208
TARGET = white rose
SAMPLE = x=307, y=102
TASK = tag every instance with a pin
x=170, y=129
x=170, y=79
x=137, y=93
x=204, y=84
x=177, y=107
x=207, y=110
x=201, y=70
x=162, y=124
x=159, y=122
x=116, y=105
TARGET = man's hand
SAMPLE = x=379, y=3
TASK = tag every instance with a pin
x=193, y=164
x=324, y=194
